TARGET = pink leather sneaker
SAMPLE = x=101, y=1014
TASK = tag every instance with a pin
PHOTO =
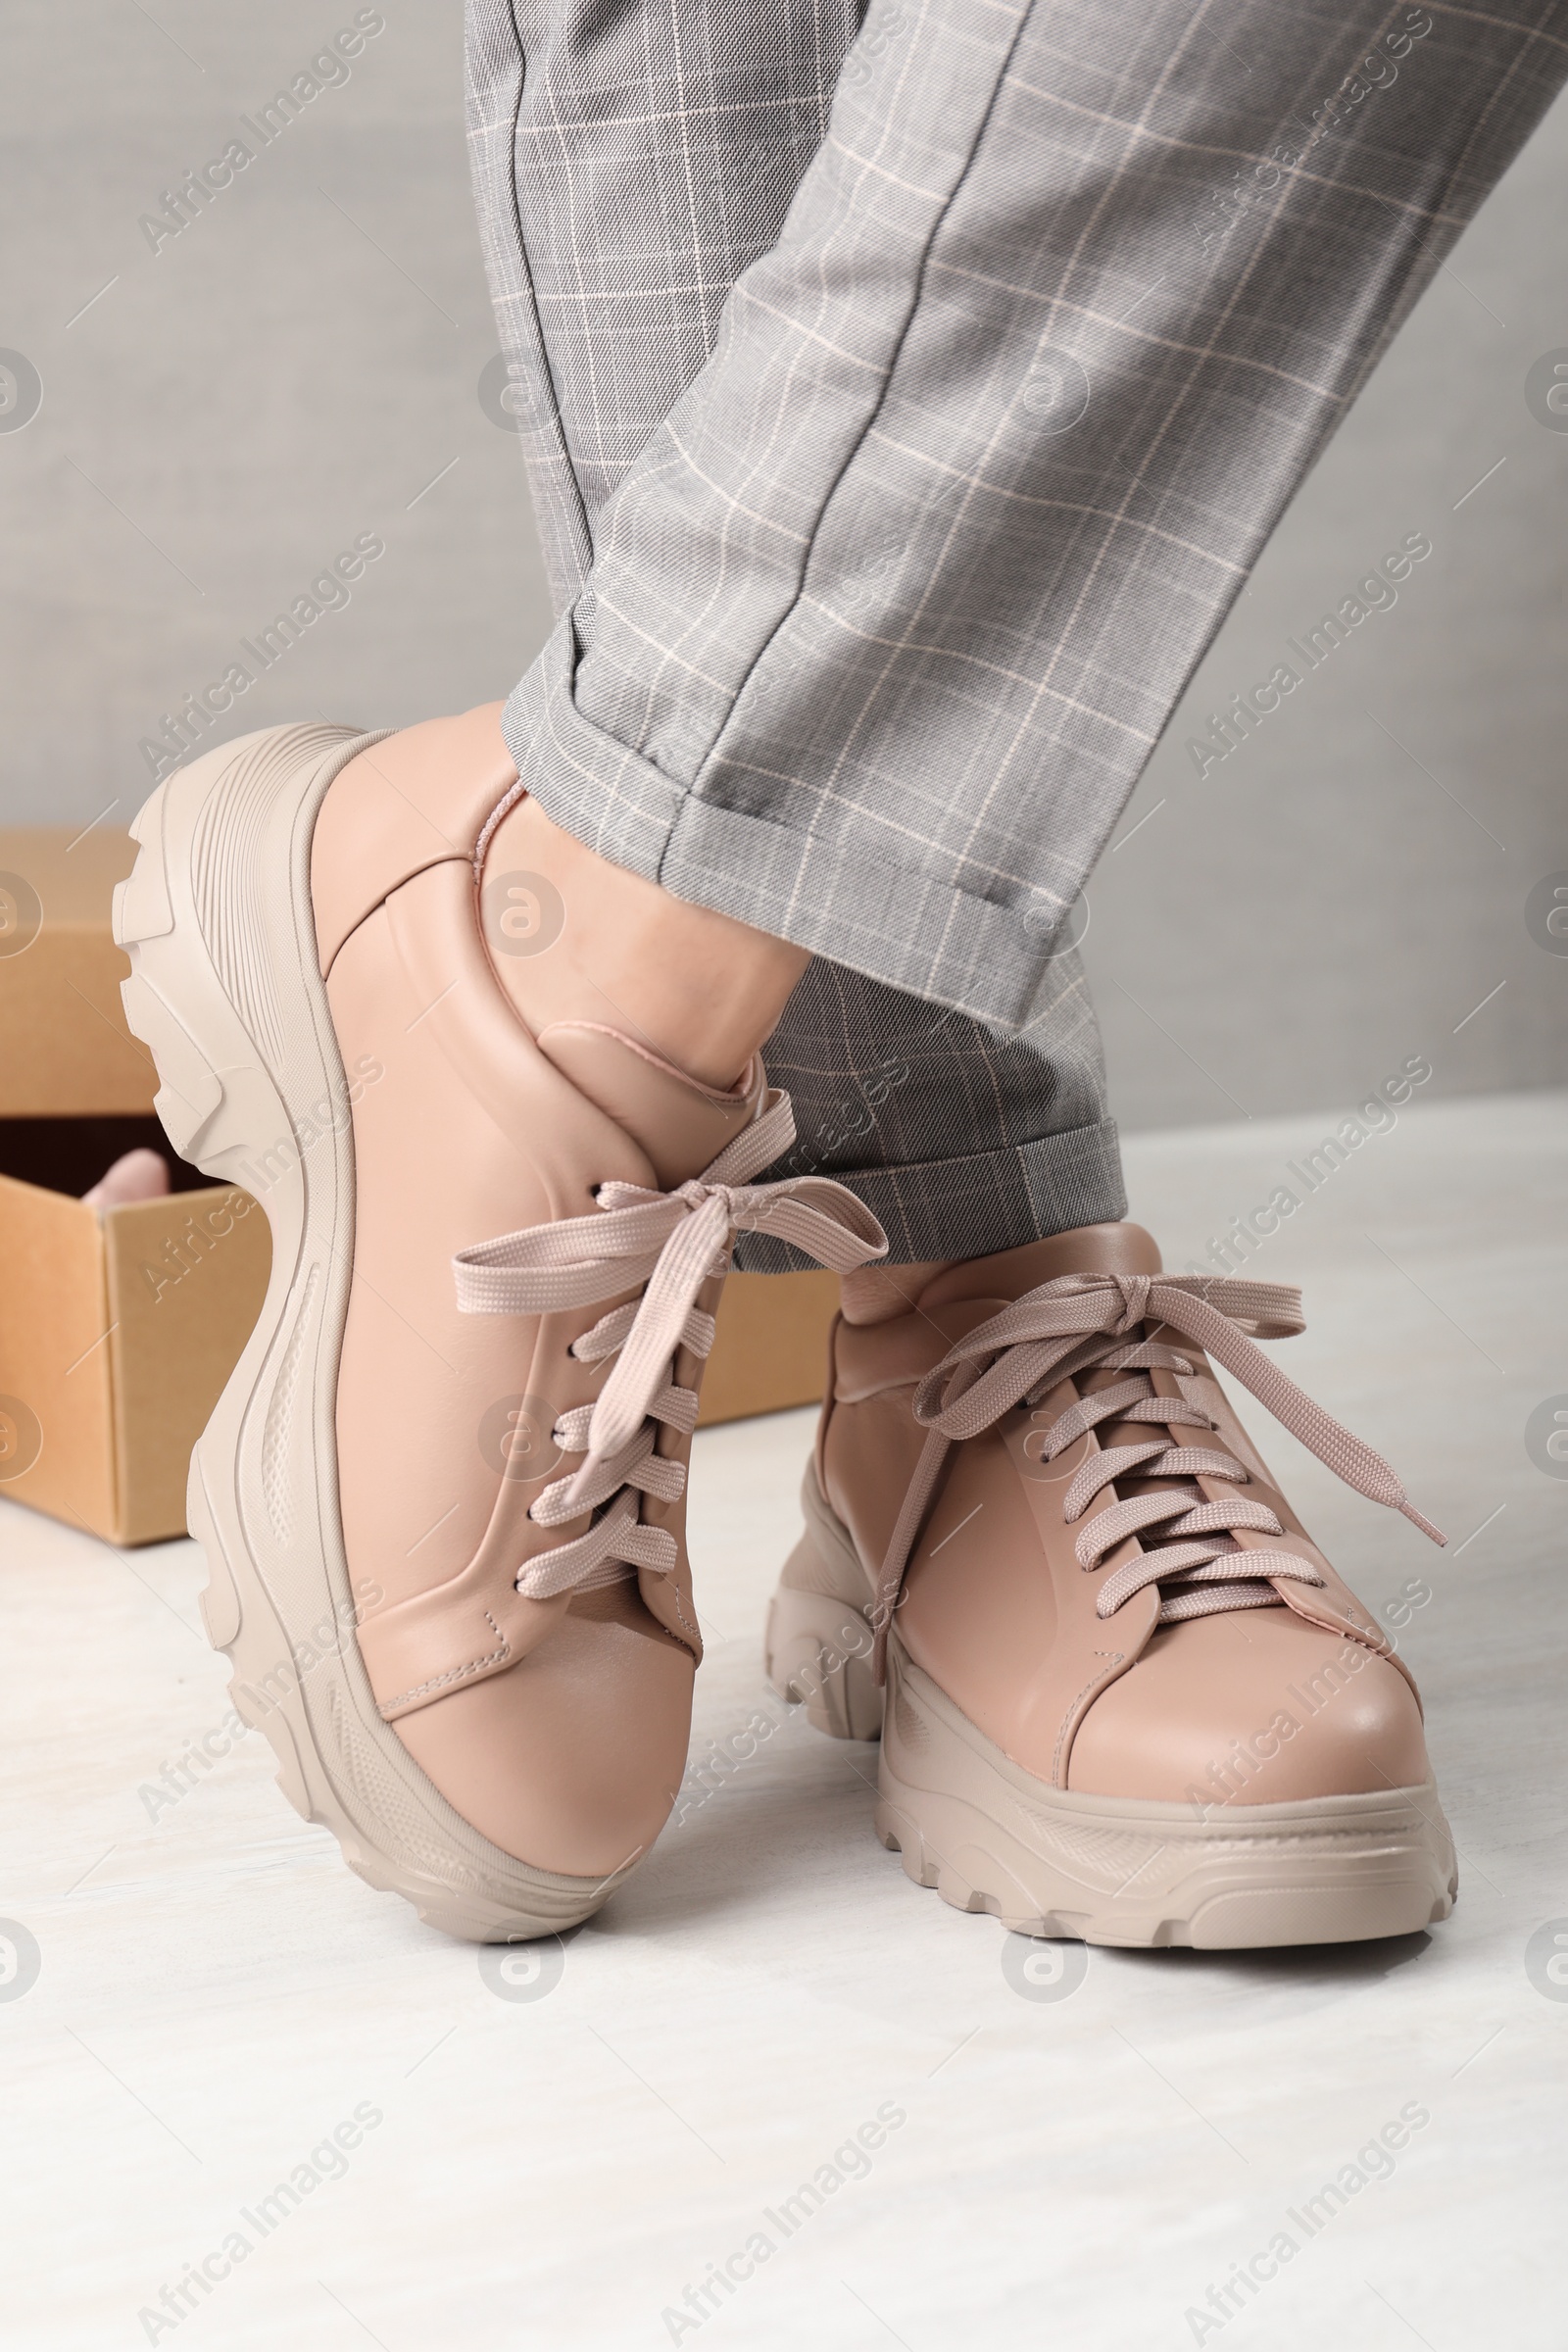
x=1127, y=1699
x=442, y=1494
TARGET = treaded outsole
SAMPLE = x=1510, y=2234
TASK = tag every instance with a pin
x=985, y=1836
x=816, y=1650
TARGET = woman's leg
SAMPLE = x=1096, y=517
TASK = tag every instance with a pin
x=885, y=616
x=865, y=646
x=629, y=165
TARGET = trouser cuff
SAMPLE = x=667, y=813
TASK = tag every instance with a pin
x=977, y=1205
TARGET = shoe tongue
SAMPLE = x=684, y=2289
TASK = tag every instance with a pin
x=681, y=1124
x=1087, y=1250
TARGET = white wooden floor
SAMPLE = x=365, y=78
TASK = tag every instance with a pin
x=1005, y=2149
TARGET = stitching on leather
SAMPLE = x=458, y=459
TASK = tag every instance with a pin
x=454, y=1674
x=1115, y=1657
x=680, y=1611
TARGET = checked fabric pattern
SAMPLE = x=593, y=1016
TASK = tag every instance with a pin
x=905, y=403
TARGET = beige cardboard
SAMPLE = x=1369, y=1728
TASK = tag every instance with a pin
x=771, y=1349
x=119, y=1327
x=56, y=1418
x=118, y=1330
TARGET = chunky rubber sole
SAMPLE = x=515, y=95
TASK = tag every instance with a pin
x=225, y=991
x=818, y=1642
x=989, y=1837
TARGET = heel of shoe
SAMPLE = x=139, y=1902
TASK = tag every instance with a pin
x=818, y=1649
x=193, y=919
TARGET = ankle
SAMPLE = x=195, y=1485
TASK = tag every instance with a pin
x=600, y=944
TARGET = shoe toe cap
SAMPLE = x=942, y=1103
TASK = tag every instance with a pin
x=570, y=1761
x=1252, y=1707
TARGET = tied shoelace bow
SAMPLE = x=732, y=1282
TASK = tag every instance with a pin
x=1091, y=1322
x=671, y=1242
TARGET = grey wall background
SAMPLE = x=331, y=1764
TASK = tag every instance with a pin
x=299, y=367
x=1345, y=889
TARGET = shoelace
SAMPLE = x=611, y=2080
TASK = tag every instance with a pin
x=1087, y=1322
x=671, y=1242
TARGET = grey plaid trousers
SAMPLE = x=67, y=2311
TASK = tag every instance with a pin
x=905, y=403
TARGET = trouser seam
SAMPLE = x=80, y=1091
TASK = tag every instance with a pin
x=581, y=531
x=715, y=750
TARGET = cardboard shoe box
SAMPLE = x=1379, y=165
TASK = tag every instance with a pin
x=118, y=1330
x=119, y=1327
x=771, y=1349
